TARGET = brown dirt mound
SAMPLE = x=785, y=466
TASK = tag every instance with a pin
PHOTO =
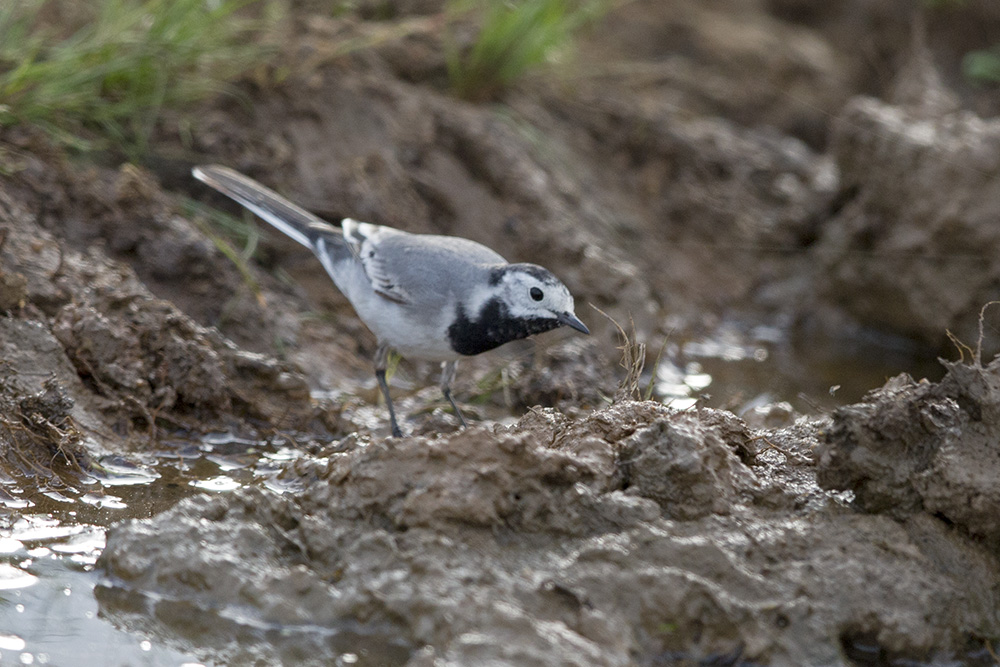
x=919, y=446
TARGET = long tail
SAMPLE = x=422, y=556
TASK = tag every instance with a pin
x=295, y=221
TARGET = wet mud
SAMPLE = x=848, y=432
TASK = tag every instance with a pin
x=919, y=446
x=636, y=535
x=667, y=184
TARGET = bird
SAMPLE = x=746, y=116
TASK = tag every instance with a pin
x=425, y=296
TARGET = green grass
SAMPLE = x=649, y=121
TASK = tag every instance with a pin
x=100, y=74
x=513, y=38
x=982, y=66
x=224, y=231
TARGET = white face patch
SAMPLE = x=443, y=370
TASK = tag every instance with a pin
x=535, y=293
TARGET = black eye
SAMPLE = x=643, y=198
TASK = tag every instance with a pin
x=536, y=294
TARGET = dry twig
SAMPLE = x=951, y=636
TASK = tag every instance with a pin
x=633, y=360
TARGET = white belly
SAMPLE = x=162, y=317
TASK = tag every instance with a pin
x=413, y=332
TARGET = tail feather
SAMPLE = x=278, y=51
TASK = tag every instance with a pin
x=294, y=221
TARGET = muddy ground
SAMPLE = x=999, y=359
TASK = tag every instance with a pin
x=823, y=170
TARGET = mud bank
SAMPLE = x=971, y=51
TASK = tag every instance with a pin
x=635, y=535
x=919, y=193
x=94, y=363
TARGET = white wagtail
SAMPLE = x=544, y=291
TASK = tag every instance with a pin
x=429, y=297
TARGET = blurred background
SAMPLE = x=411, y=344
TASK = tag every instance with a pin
x=789, y=199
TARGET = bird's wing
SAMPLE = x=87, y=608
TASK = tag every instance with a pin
x=367, y=242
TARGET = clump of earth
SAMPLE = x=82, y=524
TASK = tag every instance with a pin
x=638, y=534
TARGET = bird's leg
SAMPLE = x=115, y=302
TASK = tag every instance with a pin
x=448, y=369
x=381, y=361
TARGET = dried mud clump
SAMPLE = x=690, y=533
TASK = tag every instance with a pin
x=918, y=446
x=166, y=365
x=684, y=464
x=13, y=292
x=481, y=477
x=147, y=360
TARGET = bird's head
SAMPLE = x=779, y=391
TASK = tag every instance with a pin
x=531, y=292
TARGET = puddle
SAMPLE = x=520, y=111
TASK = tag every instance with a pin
x=742, y=367
x=48, y=611
x=54, y=531
x=56, y=620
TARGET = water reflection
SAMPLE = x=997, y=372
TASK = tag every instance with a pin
x=55, y=531
x=740, y=368
x=12, y=576
x=56, y=621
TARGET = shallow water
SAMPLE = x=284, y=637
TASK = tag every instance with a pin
x=53, y=531
x=739, y=367
x=53, y=534
x=56, y=621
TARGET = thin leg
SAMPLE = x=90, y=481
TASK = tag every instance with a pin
x=448, y=369
x=381, y=357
